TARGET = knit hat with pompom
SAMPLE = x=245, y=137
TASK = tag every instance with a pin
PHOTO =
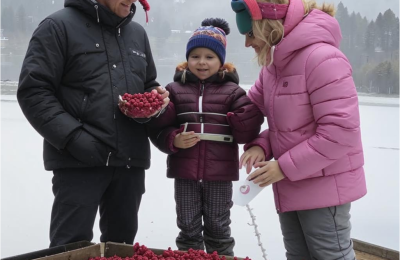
x=211, y=35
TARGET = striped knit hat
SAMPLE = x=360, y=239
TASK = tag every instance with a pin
x=211, y=35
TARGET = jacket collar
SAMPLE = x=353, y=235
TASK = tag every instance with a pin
x=227, y=73
x=316, y=27
x=100, y=13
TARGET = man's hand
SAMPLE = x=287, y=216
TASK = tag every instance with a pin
x=165, y=95
x=186, y=140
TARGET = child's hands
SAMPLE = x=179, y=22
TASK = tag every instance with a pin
x=186, y=140
x=252, y=155
x=266, y=174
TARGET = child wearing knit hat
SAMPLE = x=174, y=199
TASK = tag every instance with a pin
x=206, y=119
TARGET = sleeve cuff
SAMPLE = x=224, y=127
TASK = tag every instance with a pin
x=287, y=166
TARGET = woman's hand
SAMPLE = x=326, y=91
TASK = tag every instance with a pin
x=266, y=174
x=251, y=156
x=186, y=140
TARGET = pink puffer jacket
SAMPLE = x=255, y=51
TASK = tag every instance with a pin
x=310, y=101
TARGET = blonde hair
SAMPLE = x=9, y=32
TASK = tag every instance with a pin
x=271, y=31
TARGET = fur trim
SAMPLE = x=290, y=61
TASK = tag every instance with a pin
x=229, y=67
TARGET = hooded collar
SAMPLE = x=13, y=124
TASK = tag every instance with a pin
x=302, y=31
x=294, y=15
x=100, y=13
x=227, y=73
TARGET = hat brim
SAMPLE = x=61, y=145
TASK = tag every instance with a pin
x=243, y=17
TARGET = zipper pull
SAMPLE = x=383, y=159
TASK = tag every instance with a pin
x=119, y=32
x=108, y=158
x=202, y=88
x=97, y=13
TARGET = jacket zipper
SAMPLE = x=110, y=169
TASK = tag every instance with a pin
x=118, y=26
x=201, y=122
x=272, y=103
x=201, y=104
x=112, y=95
x=97, y=13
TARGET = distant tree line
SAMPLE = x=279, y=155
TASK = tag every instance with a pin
x=372, y=46
x=373, y=50
x=19, y=18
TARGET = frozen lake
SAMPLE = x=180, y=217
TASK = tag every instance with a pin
x=26, y=197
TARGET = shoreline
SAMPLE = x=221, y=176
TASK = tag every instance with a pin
x=362, y=100
x=9, y=89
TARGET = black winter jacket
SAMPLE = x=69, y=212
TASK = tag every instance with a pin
x=79, y=60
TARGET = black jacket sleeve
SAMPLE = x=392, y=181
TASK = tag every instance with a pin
x=41, y=74
x=151, y=72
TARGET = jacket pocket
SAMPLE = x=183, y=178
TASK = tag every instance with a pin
x=292, y=109
x=88, y=149
x=291, y=85
x=86, y=64
x=138, y=63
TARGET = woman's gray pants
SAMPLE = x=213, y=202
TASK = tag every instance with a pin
x=318, y=234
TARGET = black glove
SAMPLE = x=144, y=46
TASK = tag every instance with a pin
x=86, y=148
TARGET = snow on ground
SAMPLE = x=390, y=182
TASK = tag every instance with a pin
x=26, y=196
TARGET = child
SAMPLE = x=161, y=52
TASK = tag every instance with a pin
x=307, y=93
x=209, y=114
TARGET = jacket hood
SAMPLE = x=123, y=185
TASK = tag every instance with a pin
x=100, y=13
x=316, y=27
x=227, y=73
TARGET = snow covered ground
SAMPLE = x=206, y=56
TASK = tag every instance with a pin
x=26, y=196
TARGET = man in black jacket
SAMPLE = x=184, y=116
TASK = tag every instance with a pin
x=79, y=60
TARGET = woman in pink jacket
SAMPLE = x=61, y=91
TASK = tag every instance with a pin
x=307, y=93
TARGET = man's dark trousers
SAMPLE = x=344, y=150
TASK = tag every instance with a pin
x=79, y=192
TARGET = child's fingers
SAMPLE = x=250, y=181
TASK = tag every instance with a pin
x=259, y=158
x=186, y=137
x=188, y=133
x=191, y=143
x=191, y=140
x=249, y=166
x=243, y=160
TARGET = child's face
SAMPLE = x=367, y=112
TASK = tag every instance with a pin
x=203, y=63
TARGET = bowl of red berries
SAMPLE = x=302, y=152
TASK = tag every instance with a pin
x=140, y=105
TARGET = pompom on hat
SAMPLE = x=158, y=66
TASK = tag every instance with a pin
x=211, y=35
x=146, y=8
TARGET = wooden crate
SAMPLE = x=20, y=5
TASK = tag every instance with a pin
x=103, y=249
x=367, y=251
x=84, y=250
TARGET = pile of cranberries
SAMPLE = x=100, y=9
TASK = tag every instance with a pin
x=140, y=105
x=143, y=253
